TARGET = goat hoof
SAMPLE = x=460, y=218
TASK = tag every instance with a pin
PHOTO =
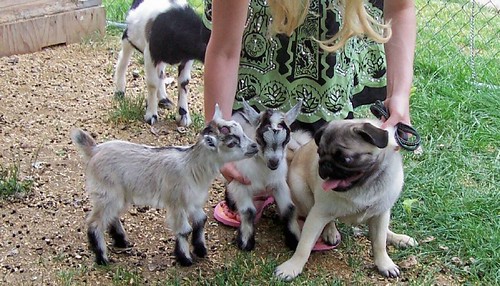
x=101, y=261
x=183, y=121
x=184, y=261
x=247, y=245
x=165, y=103
x=152, y=120
x=119, y=95
x=200, y=251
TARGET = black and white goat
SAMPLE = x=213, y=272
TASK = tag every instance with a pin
x=166, y=32
x=177, y=178
x=267, y=171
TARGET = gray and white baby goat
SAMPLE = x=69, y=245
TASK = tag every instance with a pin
x=177, y=178
x=267, y=171
x=166, y=32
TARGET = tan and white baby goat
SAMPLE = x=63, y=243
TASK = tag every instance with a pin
x=177, y=178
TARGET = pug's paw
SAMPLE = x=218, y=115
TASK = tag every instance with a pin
x=387, y=267
x=288, y=270
x=401, y=240
x=331, y=235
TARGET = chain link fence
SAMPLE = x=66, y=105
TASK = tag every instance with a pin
x=465, y=33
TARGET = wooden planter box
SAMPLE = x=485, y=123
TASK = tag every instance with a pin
x=31, y=25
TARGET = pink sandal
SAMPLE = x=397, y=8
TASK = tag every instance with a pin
x=223, y=214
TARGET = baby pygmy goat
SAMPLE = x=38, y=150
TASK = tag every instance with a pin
x=267, y=171
x=167, y=32
x=177, y=178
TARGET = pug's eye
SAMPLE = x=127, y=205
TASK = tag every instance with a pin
x=347, y=159
x=342, y=158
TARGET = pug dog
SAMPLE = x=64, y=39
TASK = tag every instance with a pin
x=351, y=171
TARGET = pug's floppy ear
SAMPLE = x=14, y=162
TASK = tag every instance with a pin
x=373, y=135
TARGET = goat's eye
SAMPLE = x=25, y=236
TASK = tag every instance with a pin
x=232, y=144
x=224, y=130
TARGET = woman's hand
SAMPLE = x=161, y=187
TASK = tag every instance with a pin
x=399, y=110
x=230, y=173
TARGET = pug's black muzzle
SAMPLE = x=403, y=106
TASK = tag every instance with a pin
x=330, y=170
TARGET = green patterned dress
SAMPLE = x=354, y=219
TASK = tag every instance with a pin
x=275, y=72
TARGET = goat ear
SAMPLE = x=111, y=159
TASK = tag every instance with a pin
x=210, y=141
x=292, y=114
x=373, y=135
x=217, y=112
x=252, y=115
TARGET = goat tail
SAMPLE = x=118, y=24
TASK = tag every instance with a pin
x=84, y=142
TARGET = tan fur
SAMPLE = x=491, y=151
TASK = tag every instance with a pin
x=368, y=202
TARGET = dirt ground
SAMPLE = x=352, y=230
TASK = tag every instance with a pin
x=43, y=234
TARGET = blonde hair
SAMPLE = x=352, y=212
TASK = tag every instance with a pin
x=289, y=14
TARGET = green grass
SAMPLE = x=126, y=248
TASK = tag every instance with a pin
x=243, y=269
x=125, y=277
x=11, y=184
x=116, y=10
x=453, y=184
x=127, y=109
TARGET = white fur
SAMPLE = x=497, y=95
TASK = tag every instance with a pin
x=120, y=173
x=264, y=180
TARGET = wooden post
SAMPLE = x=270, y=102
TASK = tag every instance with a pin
x=31, y=25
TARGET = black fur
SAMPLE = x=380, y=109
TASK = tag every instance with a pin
x=136, y=3
x=248, y=216
x=231, y=204
x=264, y=125
x=291, y=241
x=117, y=234
x=94, y=246
x=179, y=254
x=182, y=111
x=197, y=238
x=178, y=35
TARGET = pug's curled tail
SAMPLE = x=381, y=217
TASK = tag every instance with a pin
x=84, y=142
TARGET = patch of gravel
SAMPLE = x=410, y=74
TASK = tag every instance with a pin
x=43, y=234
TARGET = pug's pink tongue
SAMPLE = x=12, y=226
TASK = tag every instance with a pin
x=329, y=185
